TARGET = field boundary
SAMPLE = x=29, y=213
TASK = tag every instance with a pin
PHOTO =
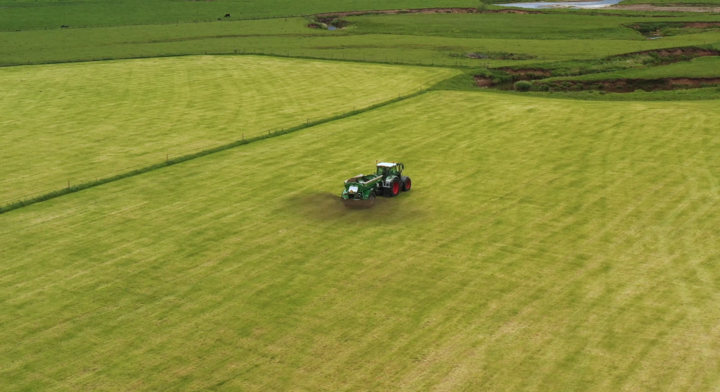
x=187, y=157
x=239, y=52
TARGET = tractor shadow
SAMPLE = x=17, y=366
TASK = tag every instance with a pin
x=328, y=206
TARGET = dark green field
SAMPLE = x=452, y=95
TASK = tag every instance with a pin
x=51, y=14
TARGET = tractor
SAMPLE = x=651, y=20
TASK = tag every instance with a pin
x=388, y=181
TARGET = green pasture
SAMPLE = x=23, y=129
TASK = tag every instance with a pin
x=72, y=123
x=50, y=14
x=547, y=245
x=514, y=26
x=292, y=38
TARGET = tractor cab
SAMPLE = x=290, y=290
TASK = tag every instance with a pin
x=386, y=169
x=392, y=179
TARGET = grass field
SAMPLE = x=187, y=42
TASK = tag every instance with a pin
x=529, y=256
x=542, y=26
x=50, y=14
x=553, y=240
x=292, y=38
x=76, y=122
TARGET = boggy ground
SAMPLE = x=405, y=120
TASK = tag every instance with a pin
x=641, y=59
x=504, y=77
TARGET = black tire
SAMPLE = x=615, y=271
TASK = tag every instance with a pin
x=407, y=184
x=371, y=199
x=394, y=189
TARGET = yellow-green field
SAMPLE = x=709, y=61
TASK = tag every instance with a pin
x=77, y=122
x=547, y=245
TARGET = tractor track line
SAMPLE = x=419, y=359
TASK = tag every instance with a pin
x=184, y=158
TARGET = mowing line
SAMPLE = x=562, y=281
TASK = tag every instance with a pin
x=183, y=158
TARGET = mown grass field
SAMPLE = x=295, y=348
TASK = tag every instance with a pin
x=77, y=122
x=547, y=245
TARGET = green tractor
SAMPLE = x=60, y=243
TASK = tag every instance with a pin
x=388, y=180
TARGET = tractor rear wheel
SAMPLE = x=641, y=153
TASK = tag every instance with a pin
x=407, y=184
x=394, y=188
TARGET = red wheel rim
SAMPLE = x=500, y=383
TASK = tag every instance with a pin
x=408, y=184
x=396, y=188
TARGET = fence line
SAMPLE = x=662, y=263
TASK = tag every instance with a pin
x=189, y=155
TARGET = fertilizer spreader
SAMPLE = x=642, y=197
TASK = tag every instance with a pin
x=388, y=181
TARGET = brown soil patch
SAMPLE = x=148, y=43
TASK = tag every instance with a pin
x=649, y=7
x=630, y=85
x=482, y=81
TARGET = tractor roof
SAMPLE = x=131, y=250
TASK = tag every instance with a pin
x=387, y=164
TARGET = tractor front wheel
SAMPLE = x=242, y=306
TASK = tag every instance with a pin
x=371, y=199
x=407, y=184
x=394, y=188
